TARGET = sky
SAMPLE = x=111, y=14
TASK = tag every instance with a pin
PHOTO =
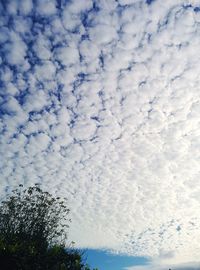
x=107, y=261
x=100, y=103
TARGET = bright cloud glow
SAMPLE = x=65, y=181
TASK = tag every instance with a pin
x=100, y=102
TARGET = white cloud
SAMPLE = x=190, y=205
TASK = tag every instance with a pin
x=37, y=144
x=46, y=71
x=100, y=102
x=37, y=100
x=68, y=55
x=186, y=266
x=15, y=50
x=25, y=7
x=42, y=48
x=46, y=7
x=102, y=34
x=83, y=130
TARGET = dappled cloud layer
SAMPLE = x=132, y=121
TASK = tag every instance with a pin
x=100, y=102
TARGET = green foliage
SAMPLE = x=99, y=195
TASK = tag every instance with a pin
x=33, y=232
x=34, y=214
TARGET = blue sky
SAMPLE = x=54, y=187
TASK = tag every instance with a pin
x=104, y=260
x=99, y=103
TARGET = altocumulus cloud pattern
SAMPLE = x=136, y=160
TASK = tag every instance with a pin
x=100, y=102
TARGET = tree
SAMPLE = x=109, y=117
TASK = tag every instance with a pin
x=33, y=232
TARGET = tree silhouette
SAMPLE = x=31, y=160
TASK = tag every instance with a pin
x=33, y=232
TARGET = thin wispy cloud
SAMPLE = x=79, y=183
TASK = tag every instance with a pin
x=100, y=102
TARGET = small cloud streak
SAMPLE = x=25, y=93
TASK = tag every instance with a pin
x=186, y=266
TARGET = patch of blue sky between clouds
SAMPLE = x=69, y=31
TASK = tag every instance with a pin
x=104, y=260
x=99, y=102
